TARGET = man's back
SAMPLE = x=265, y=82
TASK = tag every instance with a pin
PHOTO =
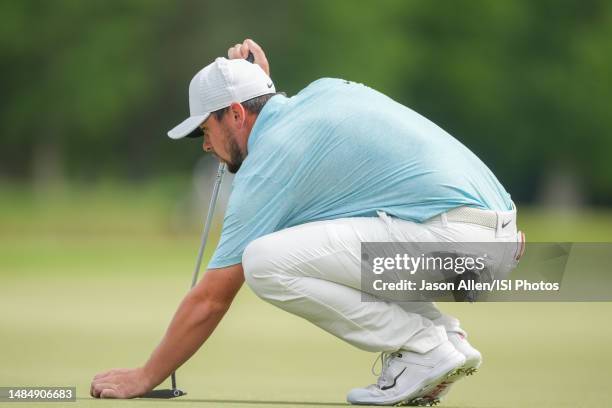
x=340, y=149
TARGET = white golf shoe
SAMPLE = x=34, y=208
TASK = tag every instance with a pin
x=408, y=378
x=473, y=359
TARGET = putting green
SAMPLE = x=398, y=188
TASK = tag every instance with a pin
x=79, y=297
x=63, y=331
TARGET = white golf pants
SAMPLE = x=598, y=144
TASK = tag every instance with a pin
x=313, y=271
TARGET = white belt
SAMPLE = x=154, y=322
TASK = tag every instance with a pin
x=485, y=218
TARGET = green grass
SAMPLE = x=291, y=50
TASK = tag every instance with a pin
x=89, y=279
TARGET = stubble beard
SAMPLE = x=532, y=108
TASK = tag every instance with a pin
x=236, y=155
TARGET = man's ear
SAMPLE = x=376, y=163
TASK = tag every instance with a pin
x=238, y=114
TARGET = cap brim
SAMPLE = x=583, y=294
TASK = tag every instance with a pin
x=187, y=126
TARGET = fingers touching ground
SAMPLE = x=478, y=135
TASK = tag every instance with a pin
x=119, y=383
x=104, y=390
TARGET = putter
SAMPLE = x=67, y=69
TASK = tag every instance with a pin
x=175, y=392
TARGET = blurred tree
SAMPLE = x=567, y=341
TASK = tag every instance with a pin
x=72, y=73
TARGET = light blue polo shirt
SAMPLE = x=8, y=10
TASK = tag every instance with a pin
x=340, y=149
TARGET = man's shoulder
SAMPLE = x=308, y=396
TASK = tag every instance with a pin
x=327, y=81
x=324, y=84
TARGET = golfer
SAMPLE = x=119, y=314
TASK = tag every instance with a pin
x=317, y=174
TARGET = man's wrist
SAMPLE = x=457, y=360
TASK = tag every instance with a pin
x=148, y=376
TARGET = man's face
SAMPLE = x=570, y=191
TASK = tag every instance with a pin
x=222, y=140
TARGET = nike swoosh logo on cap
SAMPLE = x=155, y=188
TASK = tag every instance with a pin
x=506, y=223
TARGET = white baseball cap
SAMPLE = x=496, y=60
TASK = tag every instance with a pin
x=217, y=86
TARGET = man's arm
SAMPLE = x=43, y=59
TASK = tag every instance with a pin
x=194, y=321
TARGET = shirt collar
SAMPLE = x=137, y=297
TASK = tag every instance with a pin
x=265, y=119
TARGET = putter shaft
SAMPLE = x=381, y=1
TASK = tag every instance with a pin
x=209, y=216
x=205, y=232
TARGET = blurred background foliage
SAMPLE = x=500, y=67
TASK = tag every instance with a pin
x=90, y=87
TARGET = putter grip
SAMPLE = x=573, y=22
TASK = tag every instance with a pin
x=250, y=57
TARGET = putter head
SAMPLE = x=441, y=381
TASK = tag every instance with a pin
x=164, y=394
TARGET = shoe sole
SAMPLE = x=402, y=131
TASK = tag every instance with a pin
x=433, y=394
x=428, y=394
x=465, y=372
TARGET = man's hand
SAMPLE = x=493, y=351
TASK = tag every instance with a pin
x=120, y=383
x=241, y=51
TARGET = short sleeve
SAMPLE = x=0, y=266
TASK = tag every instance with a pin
x=257, y=206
